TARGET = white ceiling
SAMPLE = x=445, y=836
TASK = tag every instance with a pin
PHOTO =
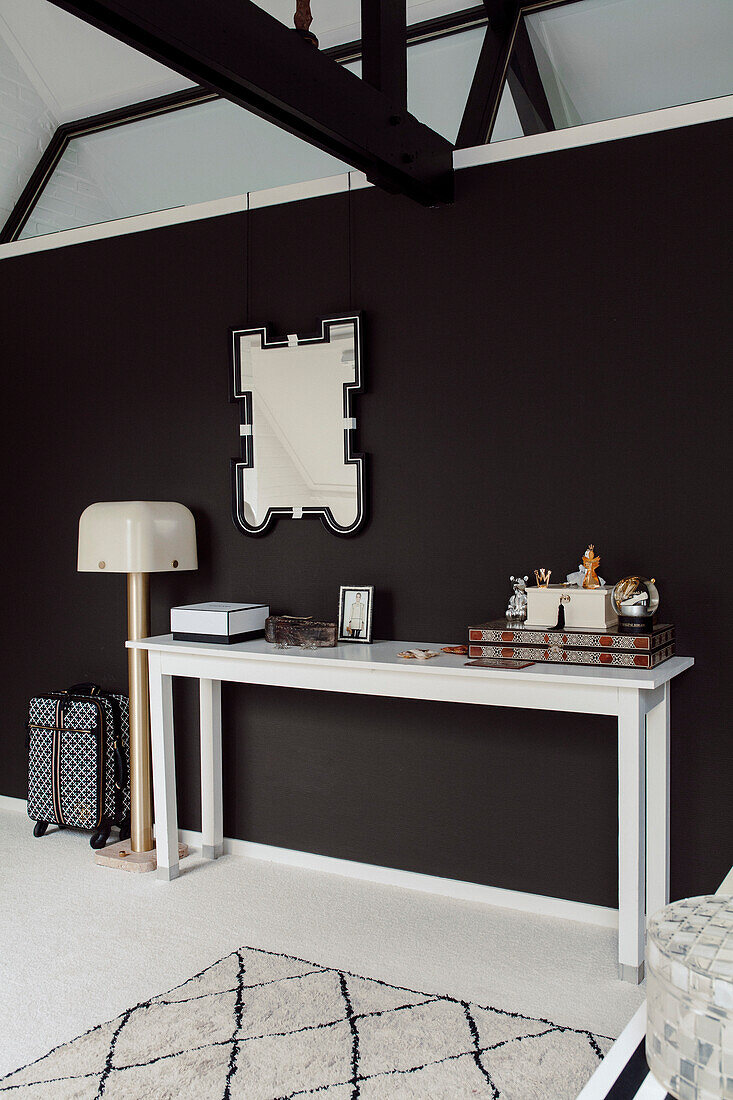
x=77, y=70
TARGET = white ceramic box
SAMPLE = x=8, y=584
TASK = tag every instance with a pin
x=218, y=622
x=585, y=608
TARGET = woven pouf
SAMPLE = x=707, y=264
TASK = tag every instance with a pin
x=689, y=1034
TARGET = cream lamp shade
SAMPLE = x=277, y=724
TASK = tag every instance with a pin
x=136, y=536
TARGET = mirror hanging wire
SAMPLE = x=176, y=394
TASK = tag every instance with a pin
x=248, y=267
x=350, y=244
x=248, y=256
x=341, y=525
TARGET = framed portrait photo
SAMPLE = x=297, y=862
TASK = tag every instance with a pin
x=355, y=613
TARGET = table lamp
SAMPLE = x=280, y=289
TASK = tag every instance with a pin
x=137, y=537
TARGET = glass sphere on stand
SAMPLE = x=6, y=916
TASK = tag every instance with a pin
x=635, y=600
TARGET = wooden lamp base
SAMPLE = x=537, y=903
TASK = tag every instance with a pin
x=122, y=857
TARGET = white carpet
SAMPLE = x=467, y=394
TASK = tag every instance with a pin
x=79, y=944
x=263, y=1026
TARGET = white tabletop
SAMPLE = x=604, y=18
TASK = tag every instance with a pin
x=382, y=655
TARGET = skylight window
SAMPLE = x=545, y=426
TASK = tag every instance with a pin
x=603, y=59
x=208, y=151
x=560, y=64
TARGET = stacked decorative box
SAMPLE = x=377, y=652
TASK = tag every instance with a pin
x=583, y=608
x=217, y=621
x=520, y=641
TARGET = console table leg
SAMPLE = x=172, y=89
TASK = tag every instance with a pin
x=212, y=821
x=631, y=830
x=164, y=769
x=657, y=799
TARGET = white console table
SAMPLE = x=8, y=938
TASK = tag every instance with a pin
x=639, y=699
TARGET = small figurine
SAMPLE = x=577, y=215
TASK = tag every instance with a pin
x=517, y=609
x=578, y=579
x=591, y=561
x=542, y=577
x=302, y=20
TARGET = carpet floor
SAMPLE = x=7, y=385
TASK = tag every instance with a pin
x=80, y=943
x=260, y=1025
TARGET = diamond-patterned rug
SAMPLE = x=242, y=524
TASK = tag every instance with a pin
x=263, y=1026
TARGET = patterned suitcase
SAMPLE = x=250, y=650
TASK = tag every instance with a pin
x=78, y=761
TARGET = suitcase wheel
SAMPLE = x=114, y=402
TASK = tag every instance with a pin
x=100, y=837
x=39, y=828
x=125, y=828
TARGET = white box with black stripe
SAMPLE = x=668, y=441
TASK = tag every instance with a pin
x=221, y=622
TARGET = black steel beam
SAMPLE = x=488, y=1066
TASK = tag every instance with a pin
x=440, y=26
x=526, y=84
x=488, y=81
x=384, y=48
x=502, y=14
x=20, y=213
x=482, y=104
x=506, y=55
x=234, y=48
x=529, y=119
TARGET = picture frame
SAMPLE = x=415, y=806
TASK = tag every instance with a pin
x=355, y=613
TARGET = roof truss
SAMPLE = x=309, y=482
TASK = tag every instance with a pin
x=506, y=55
x=240, y=51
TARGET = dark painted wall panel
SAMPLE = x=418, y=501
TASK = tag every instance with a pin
x=546, y=365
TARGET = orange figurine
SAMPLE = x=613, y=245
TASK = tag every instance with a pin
x=591, y=561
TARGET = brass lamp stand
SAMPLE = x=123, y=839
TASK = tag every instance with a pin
x=137, y=538
x=138, y=626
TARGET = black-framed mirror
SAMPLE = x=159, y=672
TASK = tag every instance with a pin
x=297, y=425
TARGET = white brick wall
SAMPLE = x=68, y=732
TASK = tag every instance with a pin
x=72, y=197
x=26, y=127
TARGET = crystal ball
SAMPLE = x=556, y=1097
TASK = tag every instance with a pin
x=635, y=598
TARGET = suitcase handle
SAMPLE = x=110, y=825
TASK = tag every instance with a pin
x=83, y=689
x=120, y=766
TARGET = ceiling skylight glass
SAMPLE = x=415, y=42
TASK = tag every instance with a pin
x=210, y=151
x=439, y=75
x=601, y=59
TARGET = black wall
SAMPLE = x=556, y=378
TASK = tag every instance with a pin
x=546, y=365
